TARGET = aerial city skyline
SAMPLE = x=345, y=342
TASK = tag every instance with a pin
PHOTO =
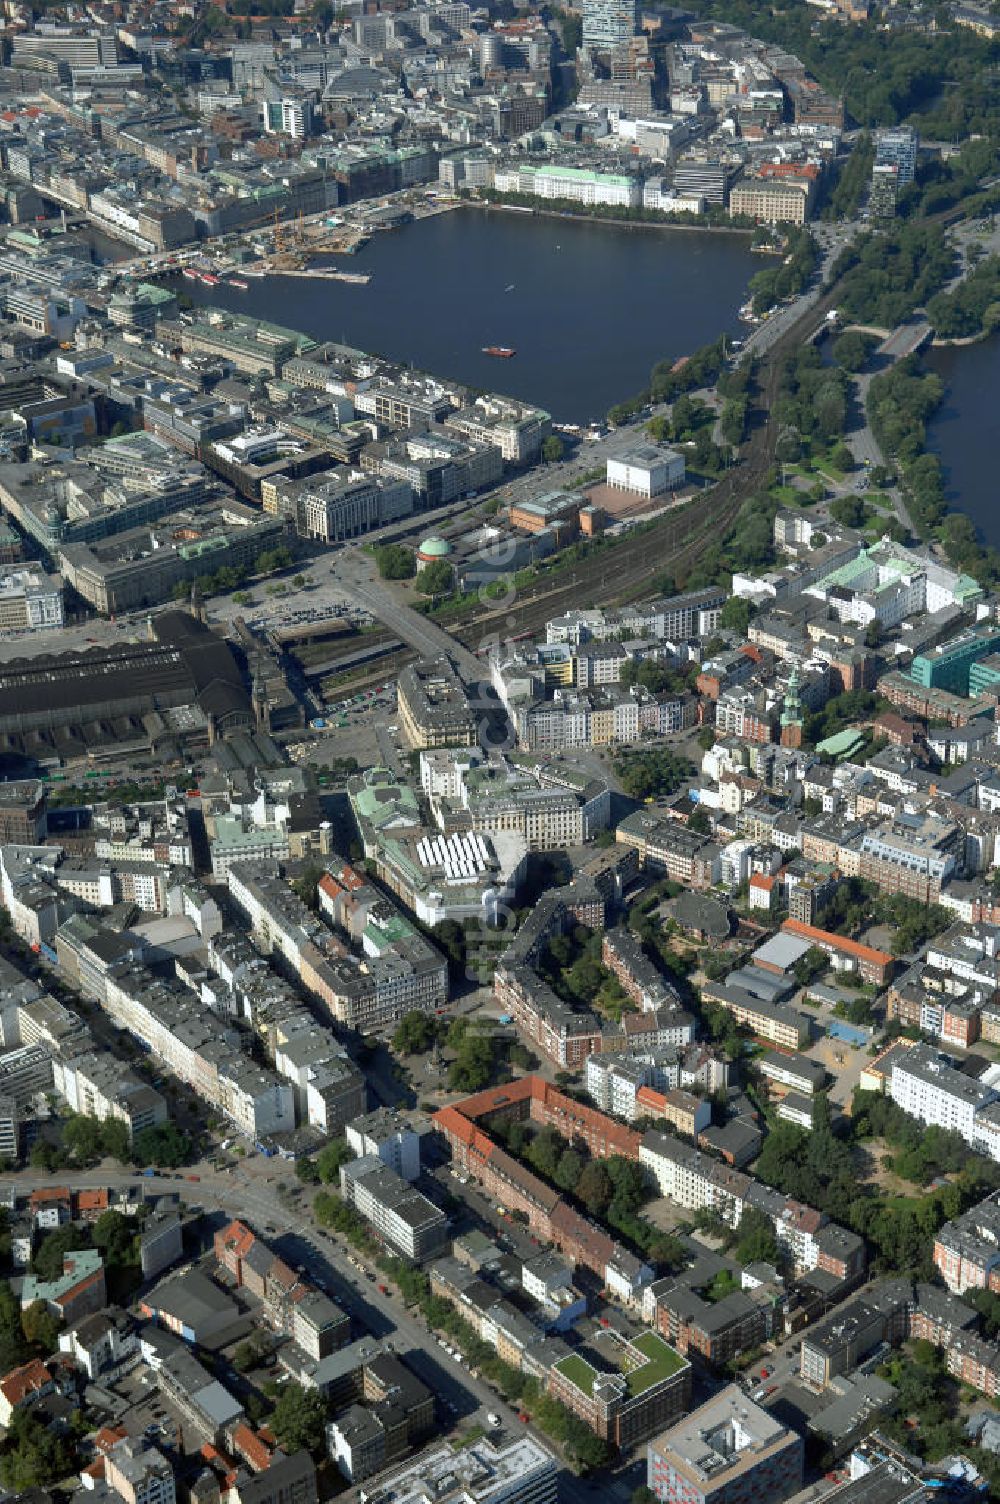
x=499, y=752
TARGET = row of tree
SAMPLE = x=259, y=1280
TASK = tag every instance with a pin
x=85, y=1140
x=774, y=284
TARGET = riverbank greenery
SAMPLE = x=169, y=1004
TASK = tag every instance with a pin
x=941, y=184
x=668, y=379
x=714, y=218
x=900, y=401
x=972, y=308
x=773, y=284
x=884, y=277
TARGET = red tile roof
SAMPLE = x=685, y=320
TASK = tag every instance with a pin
x=31, y=1378
x=647, y=1097
x=45, y=1194
x=92, y=1201
x=838, y=942
x=252, y=1448
x=238, y=1237
x=107, y=1436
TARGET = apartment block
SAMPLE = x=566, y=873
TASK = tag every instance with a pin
x=402, y=1216
x=967, y=1249
x=727, y=1451
x=516, y=1471
x=291, y=1304
x=623, y=1389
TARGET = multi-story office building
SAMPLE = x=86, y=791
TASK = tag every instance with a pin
x=390, y=1138
x=515, y=428
x=25, y=1072
x=30, y=601
x=581, y=184
x=434, y=707
x=898, y=148
x=624, y=1389
x=342, y=504
x=911, y=854
x=728, y=1451
x=837, y=1345
x=520, y=1471
x=414, y=1226
x=947, y=666
x=93, y=1082
x=398, y=1410
x=647, y=470
x=609, y=25
x=771, y=201
x=23, y=812
x=705, y=176
x=884, y=192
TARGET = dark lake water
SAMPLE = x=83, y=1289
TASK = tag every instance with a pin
x=963, y=431
x=589, y=310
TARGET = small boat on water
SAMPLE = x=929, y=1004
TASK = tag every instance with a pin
x=209, y=280
x=510, y=288
x=502, y=352
x=191, y=274
x=239, y=282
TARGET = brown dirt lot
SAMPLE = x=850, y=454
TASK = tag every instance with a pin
x=870, y=1159
x=621, y=504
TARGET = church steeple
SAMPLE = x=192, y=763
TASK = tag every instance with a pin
x=791, y=713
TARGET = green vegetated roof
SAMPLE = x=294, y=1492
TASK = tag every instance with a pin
x=579, y=1372
x=663, y=1362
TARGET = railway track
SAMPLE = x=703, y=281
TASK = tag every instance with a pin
x=675, y=543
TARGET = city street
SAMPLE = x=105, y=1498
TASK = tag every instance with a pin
x=831, y=242
x=251, y=1192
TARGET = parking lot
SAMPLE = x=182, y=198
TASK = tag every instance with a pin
x=363, y=727
x=274, y=612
